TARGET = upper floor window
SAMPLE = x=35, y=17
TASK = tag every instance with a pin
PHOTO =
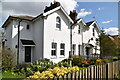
x=58, y=22
x=78, y=29
x=54, y=49
x=93, y=32
x=62, y=49
x=28, y=27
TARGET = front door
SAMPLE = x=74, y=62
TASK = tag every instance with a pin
x=27, y=53
x=87, y=51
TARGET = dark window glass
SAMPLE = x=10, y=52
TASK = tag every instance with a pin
x=58, y=23
x=79, y=30
x=74, y=46
x=62, y=49
x=54, y=49
x=28, y=26
x=79, y=50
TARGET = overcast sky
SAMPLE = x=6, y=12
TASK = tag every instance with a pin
x=86, y=10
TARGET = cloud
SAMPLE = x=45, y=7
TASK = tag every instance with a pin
x=111, y=31
x=99, y=9
x=31, y=7
x=83, y=13
x=104, y=22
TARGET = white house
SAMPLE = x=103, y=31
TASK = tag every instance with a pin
x=48, y=35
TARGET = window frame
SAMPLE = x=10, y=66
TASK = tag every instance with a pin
x=62, y=49
x=58, y=23
x=79, y=49
x=79, y=29
x=54, y=48
x=73, y=49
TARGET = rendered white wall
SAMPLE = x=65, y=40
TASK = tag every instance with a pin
x=52, y=34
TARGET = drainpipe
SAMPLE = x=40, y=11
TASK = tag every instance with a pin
x=71, y=48
x=18, y=41
x=70, y=55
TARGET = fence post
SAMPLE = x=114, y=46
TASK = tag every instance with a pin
x=110, y=70
x=77, y=75
x=73, y=76
x=69, y=76
x=65, y=77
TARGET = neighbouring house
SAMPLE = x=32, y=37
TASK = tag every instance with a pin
x=115, y=39
x=49, y=35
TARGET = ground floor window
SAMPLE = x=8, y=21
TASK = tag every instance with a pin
x=62, y=49
x=54, y=49
x=74, y=49
x=79, y=46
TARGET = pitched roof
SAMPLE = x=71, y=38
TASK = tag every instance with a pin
x=89, y=23
x=115, y=39
x=24, y=17
x=30, y=18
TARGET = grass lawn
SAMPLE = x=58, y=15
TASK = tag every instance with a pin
x=7, y=75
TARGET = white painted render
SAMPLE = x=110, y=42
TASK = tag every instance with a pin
x=53, y=34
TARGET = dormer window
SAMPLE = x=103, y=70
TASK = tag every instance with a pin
x=28, y=27
x=58, y=22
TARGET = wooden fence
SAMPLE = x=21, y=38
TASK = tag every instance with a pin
x=98, y=72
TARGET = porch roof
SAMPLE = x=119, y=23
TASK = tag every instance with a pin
x=27, y=42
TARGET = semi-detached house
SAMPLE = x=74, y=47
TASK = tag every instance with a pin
x=49, y=36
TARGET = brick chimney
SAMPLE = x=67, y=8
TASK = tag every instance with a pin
x=73, y=15
x=52, y=6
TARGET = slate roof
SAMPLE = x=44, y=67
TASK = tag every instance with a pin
x=25, y=17
x=115, y=39
x=89, y=23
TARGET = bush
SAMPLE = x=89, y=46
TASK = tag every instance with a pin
x=99, y=61
x=106, y=60
x=8, y=59
x=92, y=61
x=77, y=61
x=114, y=58
x=85, y=63
x=65, y=64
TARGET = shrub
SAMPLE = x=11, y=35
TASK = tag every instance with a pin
x=77, y=61
x=114, y=58
x=106, y=60
x=99, y=61
x=92, y=61
x=85, y=63
x=65, y=64
x=8, y=59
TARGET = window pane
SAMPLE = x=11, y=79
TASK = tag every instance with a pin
x=28, y=26
x=61, y=52
x=58, y=22
x=57, y=25
x=74, y=46
x=79, y=49
x=79, y=31
x=62, y=46
x=53, y=52
x=54, y=45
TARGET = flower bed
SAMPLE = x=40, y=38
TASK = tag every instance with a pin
x=53, y=73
